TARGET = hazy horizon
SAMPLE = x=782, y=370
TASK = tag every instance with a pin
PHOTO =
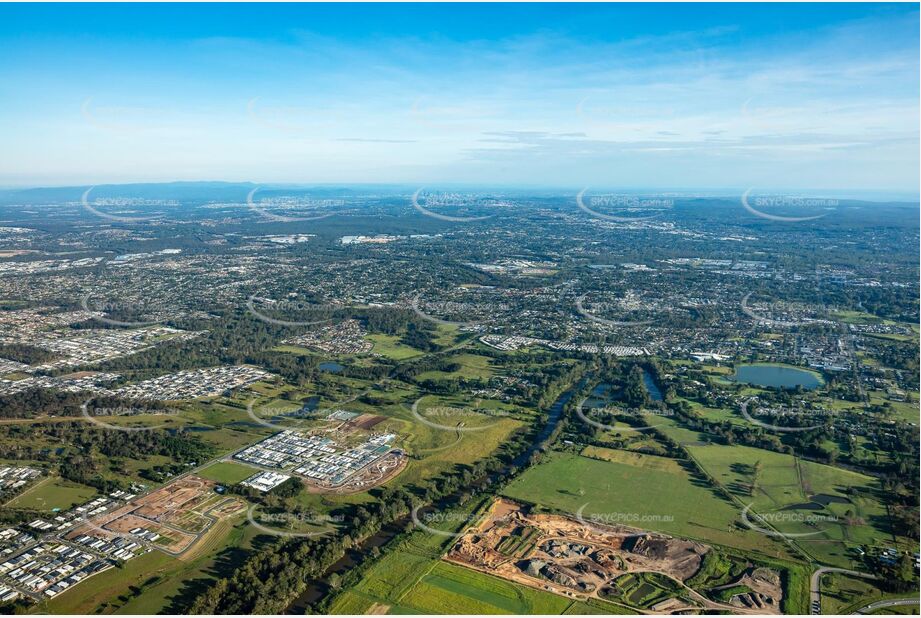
x=791, y=96
x=680, y=192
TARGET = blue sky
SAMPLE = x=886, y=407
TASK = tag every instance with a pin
x=727, y=96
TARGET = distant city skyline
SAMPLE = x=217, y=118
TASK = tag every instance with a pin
x=642, y=96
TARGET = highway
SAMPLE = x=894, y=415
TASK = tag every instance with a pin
x=890, y=603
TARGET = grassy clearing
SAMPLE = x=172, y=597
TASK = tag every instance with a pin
x=715, y=414
x=653, y=496
x=390, y=346
x=351, y=603
x=227, y=472
x=99, y=590
x=834, y=508
x=225, y=543
x=842, y=594
x=394, y=575
x=856, y=317
x=293, y=349
x=436, y=449
x=680, y=434
x=472, y=366
x=151, y=583
x=52, y=493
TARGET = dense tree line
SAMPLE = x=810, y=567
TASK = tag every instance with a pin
x=79, y=442
x=38, y=402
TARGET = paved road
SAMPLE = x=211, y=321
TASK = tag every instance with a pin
x=889, y=603
x=815, y=593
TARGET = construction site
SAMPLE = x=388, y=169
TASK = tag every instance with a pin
x=580, y=560
x=341, y=459
x=172, y=519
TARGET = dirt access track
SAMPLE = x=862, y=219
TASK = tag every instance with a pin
x=180, y=512
x=581, y=560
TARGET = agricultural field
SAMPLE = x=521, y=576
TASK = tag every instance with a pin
x=448, y=589
x=682, y=504
x=830, y=509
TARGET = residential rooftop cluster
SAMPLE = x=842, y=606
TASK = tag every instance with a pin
x=116, y=547
x=35, y=267
x=12, y=540
x=79, y=513
x=347, y=337
x=317, y=458
x=194, y=383
x=94, y=346
x=50, y=568
x=45, y=328
x=510, y=343
x=85, y=381
x=16, y=478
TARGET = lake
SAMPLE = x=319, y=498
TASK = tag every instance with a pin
x=651, y=387
x=777, y=376
x=330, y=366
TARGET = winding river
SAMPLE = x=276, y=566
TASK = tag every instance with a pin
x=319, y=588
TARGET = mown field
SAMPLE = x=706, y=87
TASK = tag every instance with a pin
x=51, y=493
x=226, y=472
x=656, y=493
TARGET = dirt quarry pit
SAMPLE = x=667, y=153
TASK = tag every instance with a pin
x=581, y=560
